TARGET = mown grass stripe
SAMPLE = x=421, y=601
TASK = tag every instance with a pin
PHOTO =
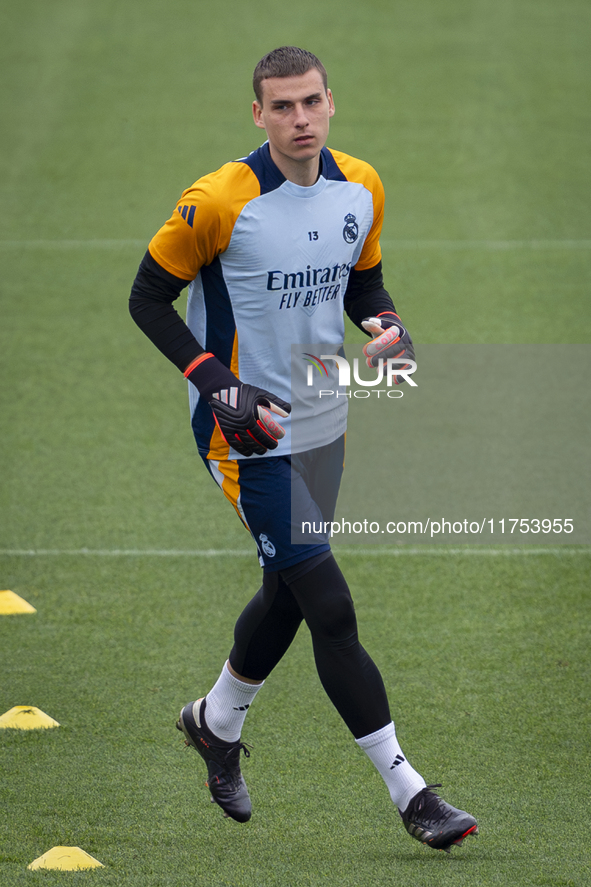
x=378, y=551
x=486, y=244
x=71, y=244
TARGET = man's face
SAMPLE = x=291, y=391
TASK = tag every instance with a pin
x=295, y=113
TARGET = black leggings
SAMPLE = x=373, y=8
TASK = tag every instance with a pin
x=269, y=623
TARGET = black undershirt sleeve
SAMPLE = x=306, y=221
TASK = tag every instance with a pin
x=366, y=296
x=150, y=304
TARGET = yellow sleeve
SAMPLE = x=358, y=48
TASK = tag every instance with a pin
x=359, y=171
x=201, y=226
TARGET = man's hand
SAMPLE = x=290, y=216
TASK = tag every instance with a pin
x=243, y=417
x=240, y=410
x=391, y=340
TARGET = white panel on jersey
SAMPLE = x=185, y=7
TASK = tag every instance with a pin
x=286, y=271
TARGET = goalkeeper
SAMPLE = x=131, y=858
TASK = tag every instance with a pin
x=274, y=247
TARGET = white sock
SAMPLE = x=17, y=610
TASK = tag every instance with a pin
x=383, y=750
x=227, y=704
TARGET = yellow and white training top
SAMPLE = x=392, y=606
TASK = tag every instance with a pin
x=269, y=262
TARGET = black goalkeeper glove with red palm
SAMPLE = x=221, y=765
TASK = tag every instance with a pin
x=241, y=411
x=391, y=340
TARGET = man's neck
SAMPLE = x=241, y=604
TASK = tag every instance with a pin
x=304, y=173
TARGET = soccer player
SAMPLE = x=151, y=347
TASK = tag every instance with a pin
x=274, y=247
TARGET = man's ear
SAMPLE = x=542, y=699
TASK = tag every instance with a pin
x=331, y=107
x=257, y=112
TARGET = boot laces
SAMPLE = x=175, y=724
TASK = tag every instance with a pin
x=427, y=804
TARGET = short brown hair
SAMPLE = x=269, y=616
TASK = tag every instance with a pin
x=287, y=61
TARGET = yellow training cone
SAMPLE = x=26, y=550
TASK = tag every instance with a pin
x=68, y=859
x=11, y=603
x=26, y=717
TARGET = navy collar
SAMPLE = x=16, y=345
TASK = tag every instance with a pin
x=270, y=176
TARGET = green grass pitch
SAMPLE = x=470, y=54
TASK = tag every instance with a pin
x=476, y=115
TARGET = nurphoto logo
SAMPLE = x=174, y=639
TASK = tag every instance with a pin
x=394, y=369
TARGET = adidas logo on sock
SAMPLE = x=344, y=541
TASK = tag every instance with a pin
x=397, y=760
x=241, y=707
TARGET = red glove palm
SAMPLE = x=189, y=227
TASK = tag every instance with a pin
x=391, y=340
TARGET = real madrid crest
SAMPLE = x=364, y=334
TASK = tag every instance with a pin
x=351, y=229
x=267, y=545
